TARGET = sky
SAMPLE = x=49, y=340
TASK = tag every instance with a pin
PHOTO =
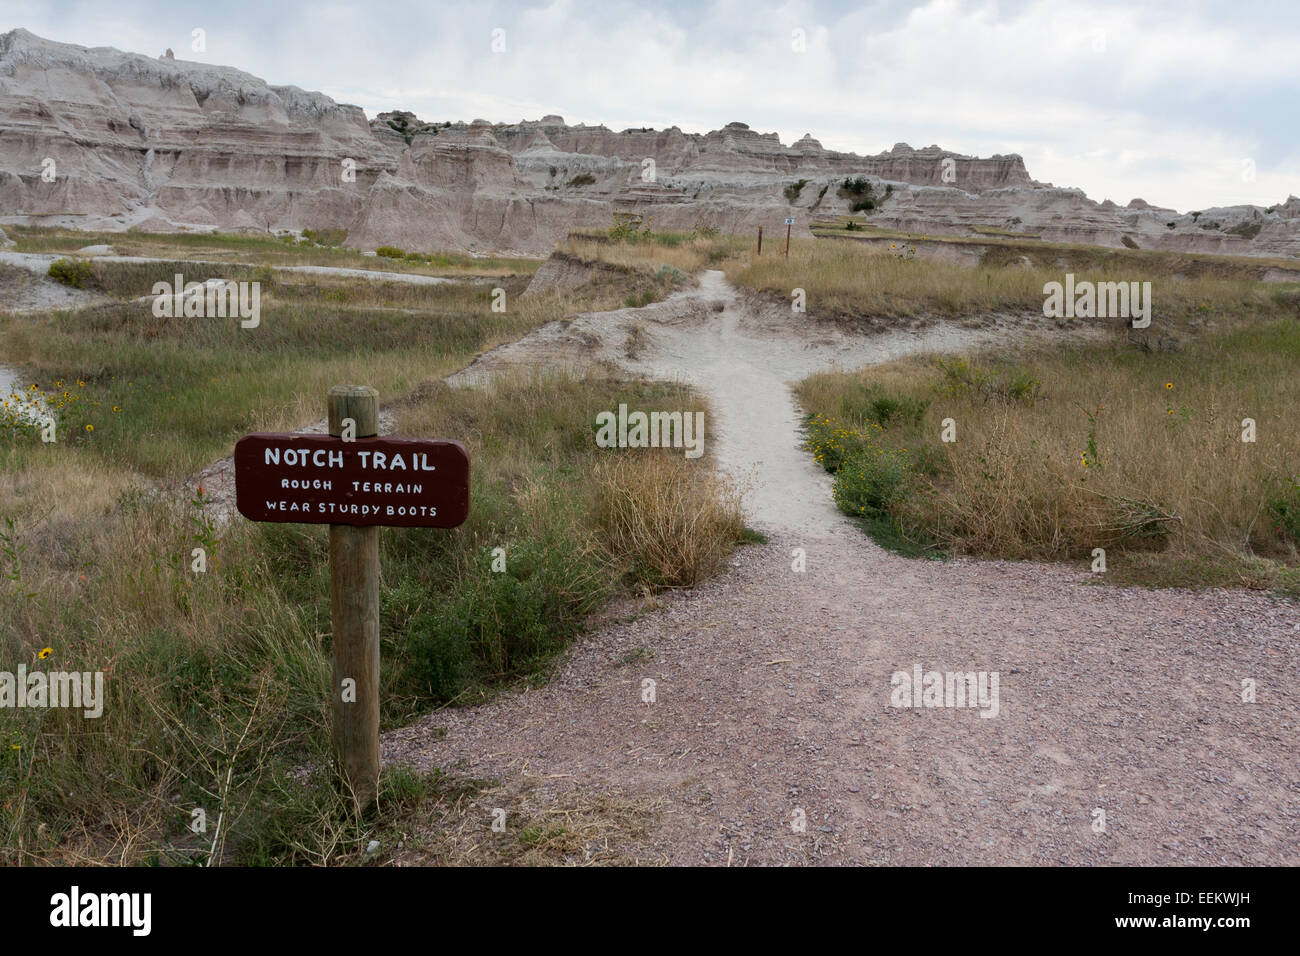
x=1187, y=104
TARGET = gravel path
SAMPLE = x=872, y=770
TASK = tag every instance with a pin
x=773, y=686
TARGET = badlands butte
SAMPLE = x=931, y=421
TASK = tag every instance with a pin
x=101, y=139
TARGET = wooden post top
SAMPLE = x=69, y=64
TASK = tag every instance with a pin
x=358, y=402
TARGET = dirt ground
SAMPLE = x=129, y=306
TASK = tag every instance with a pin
x=1120, y=736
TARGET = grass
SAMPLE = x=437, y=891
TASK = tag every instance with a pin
x=684, y=252
x=187, y=388
x=218, y=682
x=578, y=827
x=325, y=248
x=847, y=279
x=1060, y=451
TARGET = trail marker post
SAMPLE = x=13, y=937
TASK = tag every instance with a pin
x=760, y=240
x=789, y=221
x=353, y=484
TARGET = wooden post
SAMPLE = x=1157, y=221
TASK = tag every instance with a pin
x=787, y=241
x=760, y=240
x=354, y=604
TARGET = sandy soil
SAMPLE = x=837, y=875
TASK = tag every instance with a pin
x=773, y=690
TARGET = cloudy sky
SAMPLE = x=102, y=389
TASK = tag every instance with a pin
x=1187, y=104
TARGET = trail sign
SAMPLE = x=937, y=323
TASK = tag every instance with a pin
x=353, y=485
x=320, y=479
x=789, y=220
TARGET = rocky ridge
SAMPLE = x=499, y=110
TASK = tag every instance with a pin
x=98, y=138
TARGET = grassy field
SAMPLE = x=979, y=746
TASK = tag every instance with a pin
x=685, y=252
x=1059, y=451
x=217, y=682
x=266, y=250
x=847, y=279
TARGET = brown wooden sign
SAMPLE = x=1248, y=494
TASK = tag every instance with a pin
x=320, y=479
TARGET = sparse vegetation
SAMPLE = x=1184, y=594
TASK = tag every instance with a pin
x=860, y=192
x=632, y=243
x=792, y=191
x=77, y=273
x=326, y=237
x=260, y=250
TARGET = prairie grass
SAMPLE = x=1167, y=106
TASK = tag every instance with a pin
x=186, y=388
x=861, y=279
x=682, y=251
x=264, y=249
x=1059, y=451
x=218, y=682
x=671, y=520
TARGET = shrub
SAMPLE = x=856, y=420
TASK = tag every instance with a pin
x=872, y=480
x=77, y=273
x=859, y=187
x=1018, y=386
x=1128, y=241
x=907, y=410
x=832, y=443
x=499, y=624
x=390, y=252
x=325, y=237
x=792, y=191
x=628, y=227
x=582, y=179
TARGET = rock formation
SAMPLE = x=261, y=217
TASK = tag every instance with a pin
x=109, y=140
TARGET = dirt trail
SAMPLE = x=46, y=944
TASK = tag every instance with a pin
x=772, y=685
x=745, y=357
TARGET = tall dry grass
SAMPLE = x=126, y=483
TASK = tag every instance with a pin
x=676, y=250
x=671, y=520
x=852, y=278
x=1120, y=449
